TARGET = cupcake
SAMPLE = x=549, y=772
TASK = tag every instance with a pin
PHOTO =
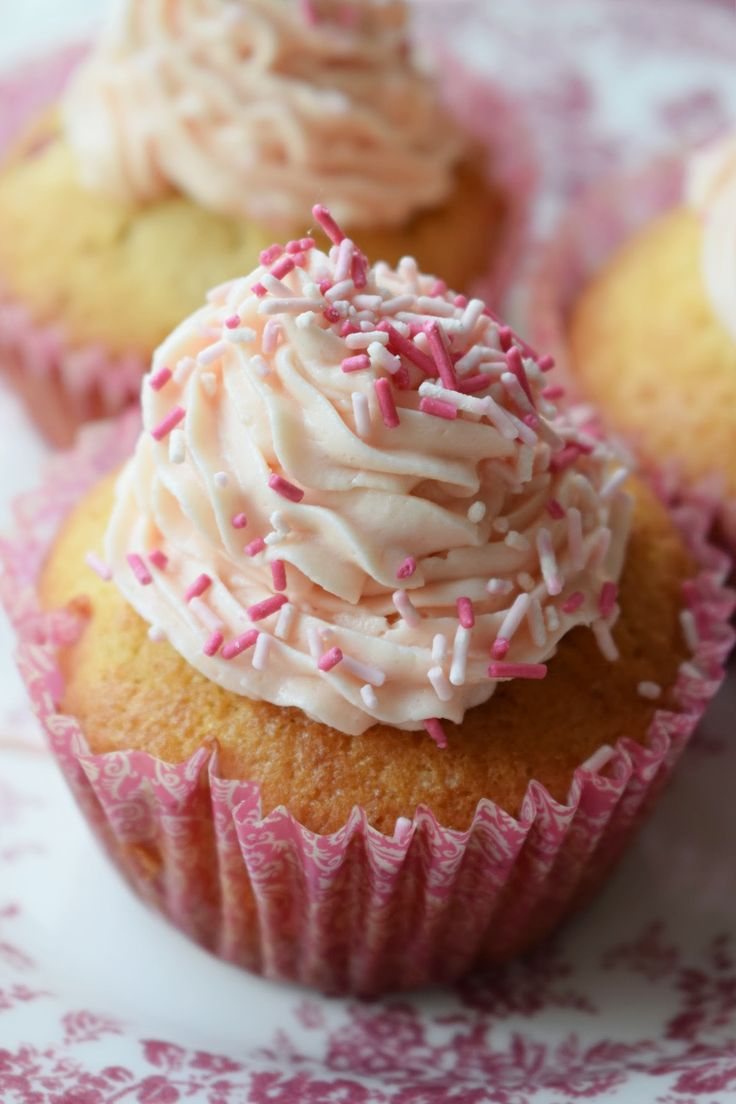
x=367, y=661
x=651, y=335
x=190, y=139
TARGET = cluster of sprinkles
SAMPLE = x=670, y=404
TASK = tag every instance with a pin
x=424, y=352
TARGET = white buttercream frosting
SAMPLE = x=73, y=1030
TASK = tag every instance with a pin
x=711, y=191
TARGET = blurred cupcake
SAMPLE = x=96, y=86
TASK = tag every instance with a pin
x=191, y=138
x=378, y=657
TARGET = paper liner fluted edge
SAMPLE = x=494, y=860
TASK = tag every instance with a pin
x=356, y=910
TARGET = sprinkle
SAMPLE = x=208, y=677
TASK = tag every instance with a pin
x=271, y=254
x=221, y=480
x=156, y=634
x=294, y=305
x=518, y=670
x=565, y=458
x=285, y=621
x=441, y=356
x=386, y=403
x=517, y=541
x=331, y=314
x=548, y=563
x=265, y=608
x=465, y=613
x=214, y=643
x=286, y=489
x=198, y=587
x=613, y=483
x=98, y=566
x=239, y=521
x=374, y=675
x=278, y=574
x=407, y=568
x=516, y=366
x=177, y=447
x=255, y=547
x=477, y=512
x=438, y=408
x=403, y=604
x=599, y=548
x=159, y=379
x=277, y=287
x=282, y=268
x=356, y=363
x=360, y=269
x=536, y=623
x=344, y=262
x=441, y=686
x=361, y=413
x=328, y=224
x=232, y=322
x=158, y=559
x=607, y=599
x=651, y=690
x=500, y=648
x=330, y=659
x=553, y=393
x=261, y=652
x=382, y=358
x=546, y=363
x=258, y=290
x=555, y=510
x=460, y=656
x=240, y=644
x=605, y=641
x=552, y=619
x=314, y=640
x=398, y=303
x=139, y=569
x=471, y=314
x=206, y=615
x=337, y=292
x=304, y=321
x=434, y=727
x=471, y=384
x=211, y=354
x=370, y=701
x=514, y=616
x=523, y=431
x=365, y=338
x=402, y=346
x=439, y=648
x=515, y=391
x=505, y=425
x=505, y=337
x=208, y=383
x=573, y=603
x=525, y=581
x=575, y=538
x=271, y=333
x=499, y=586
x=170, y=422
x=689, y=630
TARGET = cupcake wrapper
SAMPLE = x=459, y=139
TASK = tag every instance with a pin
x=65, y=385
x=356, y=910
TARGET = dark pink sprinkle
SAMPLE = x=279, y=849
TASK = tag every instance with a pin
x=268, y=256
x=139, y=569
x=434, y=727
x=441, y=356
x=438, y=408
x=402, y=379
x=239, y=521
x=584, y=447
x=305, y=244
x=286, y=489
x=554, y=392
x=555, y=509
x=331, y=314
x=278, y=574
x=407, y=568
x=573, y=603
x=292, y=246
x=258, y=290
x=328, y=224
x=531, y=420
x=266, y=607
x=324, y=286
x=214, y=643
x=518, y=670
x=299, y=260
x=607, y=599
x=348, y=328
x=505, y=338
x=500, y=648
x=255, y=547
x=471, y=384
x=233, y=321
x=402, y=346
x=546, y=363
x=356, y=363
x=330, y=659
x=198, y=587
x=461, y=301
x=164, y=427
x=386, y=403
x=564, y=458
x=515, y=364
x=240, y=644
x=160, y=379
x=465, y=613
x=283, y=267
x=159, y=559
x=439, y=287
x=360, y=269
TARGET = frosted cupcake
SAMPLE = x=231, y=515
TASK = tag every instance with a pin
x=190, y=139
x=379, y=656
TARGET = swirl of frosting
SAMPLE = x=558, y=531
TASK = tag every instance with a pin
x=711, y=191
x=252, y=107
x=351, y=495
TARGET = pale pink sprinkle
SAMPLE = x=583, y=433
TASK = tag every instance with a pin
x=565, y=458
x=461, y=301
x=159, y=559
x=255, y=547
x=607, y=599
x=164, y=428
x=330, y=659
x=599, y=548
x=516, y=366
x=239, y=521
x=98, y=566
x=139, y=569
x=159, y=379
x=240, y=644
x=301, y=246
x=198, y=587
x=328, y=224
x=548, y=563
x=434, y=727
x=546, y=363
x=386, y=403
x=360, y=269
x=573, y=603
x=373, y=675
x=465, y=613
x=438, y=408
x=214, y=643
x=555, y=510
x=283, y=268
x=531, y=420
x=500, y=648
x=439, y=287
x=233, y=322
x=271, y=334
x=344, y=263
x=266, y=607
x=278, y=574
x=268, y=256
x=518, y=670
x=403, y=604
x=605, y=641
x=554, y=392
x=441, y=356
x=402, y=830
x=284, y=488
x=407, y=568
x=356, y=363
x=207, y=616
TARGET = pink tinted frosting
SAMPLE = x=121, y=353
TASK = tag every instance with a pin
x=365, y=505
x=253, y=107
x=711, y=191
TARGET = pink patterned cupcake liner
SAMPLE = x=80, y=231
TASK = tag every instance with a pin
x=356, y=910
x=64, y=384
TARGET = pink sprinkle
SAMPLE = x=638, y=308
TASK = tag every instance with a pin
x=239, y=521
x=465, y=613
x=438, y=408
x=330, y=659
x=505, y=338
x=159, y=559
x=348, y=328
x=500, y=648
x=324, y=286
x=564, y=458
x=266, y=607
x=531, y=420
x=197, y=588
x=268, y=256
x=402, y=346
x=573, y=603
x=356, y=363
x=471, y=384
x=271, y=334
x=402, y=379
x=331, y=314
x=407, y=569
x=360, y=269
x=283, y=268
x=518, y=670
x=555, y=509
x=98, y=566
x=461, y=301
x=328, y=224
x=555, y=392
x=439, y=287
x=278, y=574
x=301, y=246
x=309, y=13
x=285, y=488
x=233, y=321
x=164, y=428
x=139, y=569
x=240, y=644
x=160, y=378
x=607, y=599
x=255, y=547
x=441, y=356
x=434, y=727
x=546, y=363
x=258, y=290
x=386, y=402
x=299, y=260
x=214, y=643
x=515, y=364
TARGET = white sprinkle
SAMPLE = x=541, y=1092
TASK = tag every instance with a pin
x=477, y=512
x=309, y=289
x=439, y=648
x=285, y=621
x=259, y=365
x=547, y=433
x=363, y=340
x=211, y=354
x=98, y=565
x=524, y=463
x=503, y=422
x=471, y=360
x=221, y=479
x=261, y=652
x=598, y=760
x=499, y=586
x=469, y=403
x=460, y=655
x=288, y=306
x=344, y=260
x=599, y=547
x=279, y=522
x=398, y=303
x=402, y=829
x=367, y=302
x=552, y=618
x=314, y=640
x=422, y=342
x=177, y=446
x=242, y=336
x=208, y=383
x=382, y=358
x=524, y=432
x=274, y=538
x=403, y=604
x=471, y=314
x=514, y=616
x=689, y=630
x=517, y=541
x=305, y=320
x=651, y=690
x=536, y=623
x=206, y=615
x=362, y=414
x=575, y=538
x=156, y=634
x=516, y=392
x=408, y=270
x=340, y=290
x=370, y=701
x=501, y=525
x=548, y=563
x=271, y=333
x=276, y=286
x=183, y=369
x=605, y=640
x=525, y=581
x=373, y=675
x=442, y=688
x=439, y=308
